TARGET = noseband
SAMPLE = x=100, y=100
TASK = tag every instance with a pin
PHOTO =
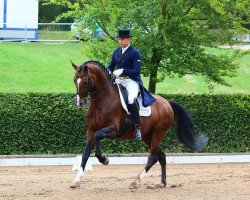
x=91, y=90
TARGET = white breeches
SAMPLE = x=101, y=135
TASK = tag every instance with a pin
x=132, y=88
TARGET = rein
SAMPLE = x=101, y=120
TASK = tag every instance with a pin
x=90, y=91
x=107, y=85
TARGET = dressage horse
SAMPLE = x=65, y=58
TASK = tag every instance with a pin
x=107, y=119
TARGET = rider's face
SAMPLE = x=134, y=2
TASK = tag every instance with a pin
x=124, y=42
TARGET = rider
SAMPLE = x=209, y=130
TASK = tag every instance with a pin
x=127, y=61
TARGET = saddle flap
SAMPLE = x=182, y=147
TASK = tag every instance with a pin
x=123, y=93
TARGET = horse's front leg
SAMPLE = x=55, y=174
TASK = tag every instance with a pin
x=99, y=135
x=85, y=157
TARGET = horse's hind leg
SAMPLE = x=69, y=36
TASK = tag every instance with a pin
x=163, y=163
x=152, y=159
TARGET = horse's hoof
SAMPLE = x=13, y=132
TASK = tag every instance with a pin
x=75, y=184
x=156, y=186
x=160, y=185
x=106, y=161
x=134, y=185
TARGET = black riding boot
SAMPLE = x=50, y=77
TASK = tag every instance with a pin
x=133, y=109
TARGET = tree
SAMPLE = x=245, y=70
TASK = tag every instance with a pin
x=49, y=13
x=171, y=34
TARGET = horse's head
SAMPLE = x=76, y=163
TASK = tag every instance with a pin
x=83, y=82
x=92, y=80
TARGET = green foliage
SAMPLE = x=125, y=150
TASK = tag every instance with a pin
x=40, y=123
x=172, y=35
x=50, y=124
x=224, y=118
x=99, y=49
x=49, y=13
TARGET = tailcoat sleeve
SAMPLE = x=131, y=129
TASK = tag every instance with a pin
x=112, y=62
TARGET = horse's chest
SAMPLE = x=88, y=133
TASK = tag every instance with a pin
x=96, y=117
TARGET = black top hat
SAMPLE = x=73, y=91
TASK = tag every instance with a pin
x=124, y=34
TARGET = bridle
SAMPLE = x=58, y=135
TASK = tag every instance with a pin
x=91, y=90
x=90, y=86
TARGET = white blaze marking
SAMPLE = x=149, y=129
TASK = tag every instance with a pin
x=77, y=96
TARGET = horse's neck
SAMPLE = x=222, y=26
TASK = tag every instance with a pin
x=108, y=99
x=107, y=91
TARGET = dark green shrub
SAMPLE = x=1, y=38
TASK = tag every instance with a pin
x=51, y=124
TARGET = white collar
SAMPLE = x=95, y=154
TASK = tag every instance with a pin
x=124, y=49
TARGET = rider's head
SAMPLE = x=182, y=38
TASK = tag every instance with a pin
x=124, y=38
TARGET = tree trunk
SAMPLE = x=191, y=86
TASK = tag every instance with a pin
x=156, y=58
x=152, y=79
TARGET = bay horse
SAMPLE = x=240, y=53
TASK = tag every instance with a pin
x=107, y=119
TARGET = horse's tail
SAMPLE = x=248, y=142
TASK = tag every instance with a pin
x=185, y=130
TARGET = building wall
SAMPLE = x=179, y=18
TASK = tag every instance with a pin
x=18, y=19
x=1, y=13
x=22, y=14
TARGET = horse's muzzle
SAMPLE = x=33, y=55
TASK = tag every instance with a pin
x=80, y=102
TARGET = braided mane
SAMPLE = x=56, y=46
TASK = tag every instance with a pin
x=95, y=62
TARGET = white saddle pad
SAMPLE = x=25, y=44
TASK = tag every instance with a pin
x=144, y=111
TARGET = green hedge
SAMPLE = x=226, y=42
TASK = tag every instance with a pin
x=51, y=124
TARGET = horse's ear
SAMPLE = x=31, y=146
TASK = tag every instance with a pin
x=74, y=65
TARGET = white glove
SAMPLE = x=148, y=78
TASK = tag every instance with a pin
x=118, y=72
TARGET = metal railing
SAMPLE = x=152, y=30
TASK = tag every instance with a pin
x=58, y=32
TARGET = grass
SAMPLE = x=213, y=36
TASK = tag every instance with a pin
x=40, y=67
x=55, y=35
